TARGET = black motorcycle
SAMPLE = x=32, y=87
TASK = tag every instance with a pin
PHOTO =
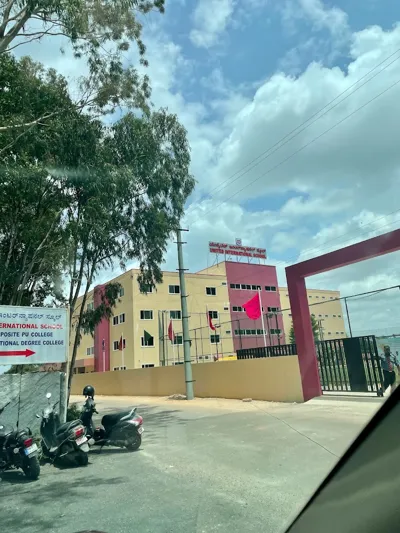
x=123, y=429
x=66, y=442
x=17, y=450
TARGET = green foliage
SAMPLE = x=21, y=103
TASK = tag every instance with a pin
x=22, y=369
x=315, y=328
x=99, y=32
x=77, y=197
x=108, y=300
x=73, y=412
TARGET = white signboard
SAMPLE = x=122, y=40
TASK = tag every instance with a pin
x=33, y=335
x=237, y=249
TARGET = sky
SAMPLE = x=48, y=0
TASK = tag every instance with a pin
x=291, y=109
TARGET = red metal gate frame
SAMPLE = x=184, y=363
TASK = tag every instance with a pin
x=296, y=274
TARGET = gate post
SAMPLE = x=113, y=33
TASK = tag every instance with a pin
x=304, y=336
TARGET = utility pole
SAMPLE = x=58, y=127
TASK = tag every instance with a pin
x=185, y=319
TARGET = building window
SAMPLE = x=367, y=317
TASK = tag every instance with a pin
x=150, y=342
x=250, y=332
x=339, y=316
x=223, y=283
x=290, y=314
x=337, y=333
x=273, y=309
x=174, y=289
x=175, y=315
x=323, y=297
x=313, y=315
x=275, y=331
x=90, y=306
x=178, y=363
x=213, y=315
x=122, y=318
x=148, y=366
x=211, y=291
x=329, y=333
x=146, y=314
x=228, y=332
x=270, y=288
x=121, y=292
x=226, y=308
x=317, y=296
x=326, y=316
x=146, y=288
x=310, y=296
x=178, y=340
x=214, y=339
x=116, y=345
x=115, y=320
x=320, y=316
x=90, y=351
x=119, y=368
x=237, y=308
x=334, y=316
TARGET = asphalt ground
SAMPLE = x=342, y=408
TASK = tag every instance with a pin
x=203, y=467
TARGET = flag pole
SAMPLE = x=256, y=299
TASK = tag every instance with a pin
x=173, y=346
x=208, y=330
x=123, y=358
x=262, y=319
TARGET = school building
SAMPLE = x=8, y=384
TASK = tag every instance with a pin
x=139, y=333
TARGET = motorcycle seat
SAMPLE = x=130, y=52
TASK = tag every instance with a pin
x=67, y=426
x=114, y=418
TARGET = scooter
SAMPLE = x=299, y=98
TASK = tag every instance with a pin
x=17, y=450
x=66, y=442
x=123, y=429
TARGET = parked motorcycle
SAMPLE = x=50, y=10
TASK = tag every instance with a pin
x=123, y=429
x=17, y=450
x=62, y=441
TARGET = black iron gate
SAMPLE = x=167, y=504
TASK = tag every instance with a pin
x=351, y=364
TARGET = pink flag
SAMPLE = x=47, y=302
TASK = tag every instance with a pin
x=253, y=308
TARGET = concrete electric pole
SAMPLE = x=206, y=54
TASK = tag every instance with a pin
x=185, y=320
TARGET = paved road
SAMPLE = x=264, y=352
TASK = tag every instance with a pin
x=200, y=469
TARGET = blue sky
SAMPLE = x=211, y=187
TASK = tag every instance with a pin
x=243, y=76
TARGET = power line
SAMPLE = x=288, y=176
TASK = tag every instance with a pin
x=306, y=145
x=277, y=263
x=307, y=123
x=281, y=311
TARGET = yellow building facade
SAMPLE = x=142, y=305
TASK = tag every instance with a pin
x=137, y=334
x=142, y=320
x=326, y=308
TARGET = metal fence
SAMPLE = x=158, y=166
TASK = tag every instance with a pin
x=267, y=351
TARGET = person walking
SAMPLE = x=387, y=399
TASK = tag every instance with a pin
x=388, y=361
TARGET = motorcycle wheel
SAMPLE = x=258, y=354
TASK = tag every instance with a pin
x=83, y=459
x=31, y=468
x=134, y=443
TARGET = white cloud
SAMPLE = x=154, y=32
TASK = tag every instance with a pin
x=343, y=186
x=333, y=19
x=210, y=19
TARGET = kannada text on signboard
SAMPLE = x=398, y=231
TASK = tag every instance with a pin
x=234, y=249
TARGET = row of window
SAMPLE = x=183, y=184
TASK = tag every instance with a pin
x=118, y=319
x=245, y=287
x=239, y=309
x=148, y=365
x=255, y=332
x=322, y=297
x=326, y=316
